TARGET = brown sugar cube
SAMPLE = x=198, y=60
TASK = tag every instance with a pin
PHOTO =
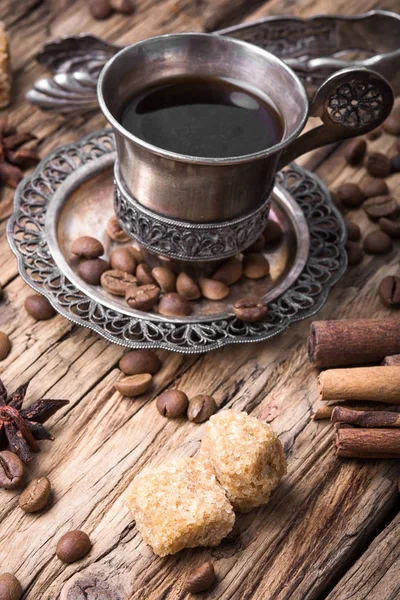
x=180, y=505
x=246, y=455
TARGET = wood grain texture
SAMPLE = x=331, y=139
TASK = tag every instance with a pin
x=325, y=514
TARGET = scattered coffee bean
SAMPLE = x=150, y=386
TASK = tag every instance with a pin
x=230, y=272
x=375, y=187
x=250, y=309
x=115, y=231
x=36, y=495
x=73, y=546
x=273, y=232
x=137, y=254
x=355, y=151
x=354, y=253
x=350, y=195
x=172, y=403
x=122, y=259
x=39, y=307
x=201, y=408
x=353, y=231
x=374, y=134
x=134, y=385
x=213, y=289
x=11, y=471
x=174, y=305
x=10, y=587
x=87, y=247
x=143, y=297
x=257, y=246
x=92, y=270
x=389, y=291
x=143, y=274
x=187, y=287
x=117, y=282
x=165, y=278
x=255, y=266
x=392, y=123
x=380, y=206
x=392, y=228
x=100, y=9
x=336, y=201
x=123, y=6
x=140, y=361
x=201, y=580
x=5, y=345
x=377, y=242
x=395, y=162
x=378, y=165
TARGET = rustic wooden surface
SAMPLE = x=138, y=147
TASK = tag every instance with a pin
x=331, y=529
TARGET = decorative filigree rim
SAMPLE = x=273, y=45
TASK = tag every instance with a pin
x=326, y=264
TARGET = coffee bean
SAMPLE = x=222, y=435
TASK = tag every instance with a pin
x=122, y=259
x=255, y=266
x=117, y=282
x=395, y=163
x=257, y=246
x=350, y=195
x=374, y=134
x=143, y=274
x=213, y=289
x=355, y=151
x=392, y=123
x=123, y=6
x=134, y=385
x=73, y=546
x=10, y=587
x=39, y=307
x=115, y=231
x=87, y=247
x=143, y=297
x=354, y=253
x=250, y=309
x=201, y=408
x=353, y=231
x=92, y=270
x=172, y=403
x=273, y=232
x=165, y=278
x=5, y=345
x=100, y=9
x=186, y=287
x=36, y=495
x=140, y=361
x=336, y=201
x=137, y=254
x=11, y=471
x=377, y=242
x=201, y=579
x=378, y=165
x=392, y=228
x=230, y=272
x=389, y=291
x=375, y=187
x=174, y=305
x=380, y=206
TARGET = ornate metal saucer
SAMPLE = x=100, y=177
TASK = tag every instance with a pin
x=315, y=48
x=71, y=193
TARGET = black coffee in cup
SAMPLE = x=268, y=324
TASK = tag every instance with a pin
x=204, y=117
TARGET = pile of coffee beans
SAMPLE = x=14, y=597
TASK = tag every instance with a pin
x=174, y=403
x=127, y=275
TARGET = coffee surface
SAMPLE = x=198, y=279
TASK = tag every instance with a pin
x=203, y=117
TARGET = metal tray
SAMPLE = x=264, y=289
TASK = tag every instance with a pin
x=71, y=194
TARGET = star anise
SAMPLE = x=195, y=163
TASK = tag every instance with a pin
x=20, y=428
x=13, y=159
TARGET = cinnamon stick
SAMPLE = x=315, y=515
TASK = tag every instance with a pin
x=367, y=443
x=377, y=384
x=353, y=341
x=391, y=361
x=325, y=412
x=343, y=415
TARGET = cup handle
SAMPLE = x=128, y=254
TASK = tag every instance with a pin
x=350, y=102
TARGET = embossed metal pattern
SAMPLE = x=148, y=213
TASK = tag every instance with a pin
x=25, y=230
x=355, y=104
x=183, y=240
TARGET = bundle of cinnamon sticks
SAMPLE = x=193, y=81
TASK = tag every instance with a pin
x=362, y=402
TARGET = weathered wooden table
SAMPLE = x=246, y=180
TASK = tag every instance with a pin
x=331, y=529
